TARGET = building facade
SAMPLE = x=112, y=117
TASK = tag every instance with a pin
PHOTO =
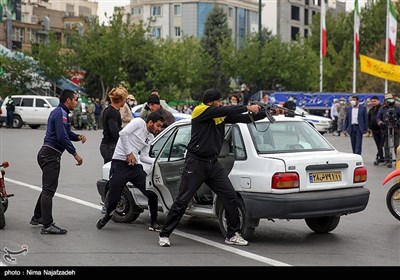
x=174, y=19
x=292, y=18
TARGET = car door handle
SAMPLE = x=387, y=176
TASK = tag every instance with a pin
x=181, y=170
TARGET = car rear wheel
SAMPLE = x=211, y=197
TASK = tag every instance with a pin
x=247, y=231
x=124, y=213
x=322, y=224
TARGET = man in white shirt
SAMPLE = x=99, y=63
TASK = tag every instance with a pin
x=133, y=143
x=335, y=115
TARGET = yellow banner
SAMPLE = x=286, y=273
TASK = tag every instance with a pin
x=380, y=69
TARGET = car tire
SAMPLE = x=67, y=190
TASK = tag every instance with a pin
x=323, y=224
x=17, y=123
x=124, y=213
x=246, y=230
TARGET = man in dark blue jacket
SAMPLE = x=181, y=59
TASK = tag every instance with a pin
x=356, y=123
x=57, y=139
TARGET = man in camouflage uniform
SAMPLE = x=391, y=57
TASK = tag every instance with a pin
x=90, y=114
x=77, y=117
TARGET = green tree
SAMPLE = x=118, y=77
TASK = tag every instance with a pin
x=215, y=31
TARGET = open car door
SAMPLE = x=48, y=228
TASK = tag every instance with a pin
x=166, y=172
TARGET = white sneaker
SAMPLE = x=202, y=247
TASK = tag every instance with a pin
x=164, y=241
x=237, y=239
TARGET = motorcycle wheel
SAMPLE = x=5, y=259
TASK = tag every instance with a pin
x=2, y=217
x=393, y=201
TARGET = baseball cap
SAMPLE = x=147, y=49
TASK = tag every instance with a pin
x=210, y=95
x=154, y=99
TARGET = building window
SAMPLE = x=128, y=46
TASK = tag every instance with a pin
x=294, y=32
x=305, y=33
x=85, y=12
x=177, y=31
x=177, y=10
x=230, y=12
x=156, y=10
x=136, y=11
x=307, y=2
x=67, y=25
x=295, y=13
x=70, y=10
x=18, y=34
x=305, y=16
x=254, y=17
x=32, y=35
x=156, y=32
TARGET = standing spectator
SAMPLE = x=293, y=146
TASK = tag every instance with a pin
x=126, y=112
x=265, y=97
x=375, y=129
x=187, y=109
x=112, y=122
x=90, y=114
x=10, y=107
x=154, y=105
x=133, y=144
x=146, y=110
x=234, y=99
x=97, y=112
x=342, y=108
x=335, y=115
x=245, y=93
x=202, y=165
x=356, y=124
x=388, y=119
x=291, y=105
x=57, y=139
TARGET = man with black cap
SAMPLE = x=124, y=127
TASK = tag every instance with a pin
x=153, y=102
x=202, y=165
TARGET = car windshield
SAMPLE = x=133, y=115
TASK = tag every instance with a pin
x=54, y=101
x=287, y=137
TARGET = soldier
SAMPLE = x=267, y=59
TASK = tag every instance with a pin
x=90, y=114
x=77, y=117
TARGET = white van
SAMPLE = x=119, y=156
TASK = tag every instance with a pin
x=33, y=110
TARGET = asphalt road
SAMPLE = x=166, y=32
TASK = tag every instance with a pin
x=368, y=238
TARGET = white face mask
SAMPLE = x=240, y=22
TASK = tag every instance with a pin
x=353, y=103
x=131, y=103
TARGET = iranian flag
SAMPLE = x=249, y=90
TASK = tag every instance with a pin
x=356, y=27
x=392, y=32
x=324, y=3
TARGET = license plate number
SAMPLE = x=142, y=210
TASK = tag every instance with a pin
x=321, y=177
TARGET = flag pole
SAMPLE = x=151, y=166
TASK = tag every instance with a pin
x=321, y=58
x=387, y=41
x=355, y=50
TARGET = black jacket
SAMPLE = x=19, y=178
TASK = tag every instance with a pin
x=208, y=128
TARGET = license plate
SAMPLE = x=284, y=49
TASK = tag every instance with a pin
x=321, y=177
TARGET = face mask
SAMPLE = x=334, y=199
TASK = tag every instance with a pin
x=131, y=103
x=234, y=103
x=341, y=102
x=390, y=101
x=353, y=103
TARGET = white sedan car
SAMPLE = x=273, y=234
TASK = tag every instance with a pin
x=322, y=124
x=280, y=170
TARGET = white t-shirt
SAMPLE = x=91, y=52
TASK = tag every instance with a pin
x=134, y=137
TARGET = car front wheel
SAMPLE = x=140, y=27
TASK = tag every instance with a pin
x=124, y=213
x=322, y=224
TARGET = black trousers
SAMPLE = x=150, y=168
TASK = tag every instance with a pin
x=49, y=161
x=379, y=144
x=120, y=174
x=107, y=151
x=195, y=173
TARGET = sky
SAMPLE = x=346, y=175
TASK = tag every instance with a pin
x=108, y=6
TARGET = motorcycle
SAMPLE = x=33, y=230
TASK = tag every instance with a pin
x=393, y=195
x=3, y=196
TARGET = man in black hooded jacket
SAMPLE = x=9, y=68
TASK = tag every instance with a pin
x=202, y=165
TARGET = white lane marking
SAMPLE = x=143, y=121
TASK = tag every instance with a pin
x=177, y=232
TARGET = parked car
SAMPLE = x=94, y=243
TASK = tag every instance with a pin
x=322, y=124
x=280, y=170
x=33, y=110
x=178, y=116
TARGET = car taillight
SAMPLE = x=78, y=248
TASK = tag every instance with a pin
x=285, y=180
x=360, y=175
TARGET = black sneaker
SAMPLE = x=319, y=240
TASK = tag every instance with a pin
x=36, y=222
x=103, y=221
x=155, y=227
x=53, y=229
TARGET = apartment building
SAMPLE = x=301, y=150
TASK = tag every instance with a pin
x=174, y=19
x=289, y=18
